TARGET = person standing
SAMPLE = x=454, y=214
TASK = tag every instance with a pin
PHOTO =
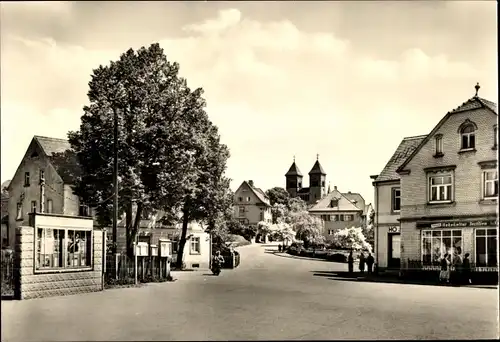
x=362, y=262
x=369, y=262
x=456, y=275
x=350, y=262
x=466, y=271
x=444, y=268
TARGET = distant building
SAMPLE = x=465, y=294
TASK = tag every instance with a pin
x=251, y=205
x=27, y=192
x=340, y=210
x=197, y=251
x=387, y=230
x=449, y=190
x=317, y=183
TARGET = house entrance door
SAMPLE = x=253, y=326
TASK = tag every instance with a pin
x=394, y=249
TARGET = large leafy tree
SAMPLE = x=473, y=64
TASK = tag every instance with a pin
x=159, y=138
x=278, y=195
x=209, y=194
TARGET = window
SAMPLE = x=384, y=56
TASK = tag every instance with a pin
x=341, y=217
x=440, y=188
x=26, y=179
x=396, y=199
x=19, y=211
x=334, y=203
x=42, y=176
x=195, y=245
x=348, y=218
x=323, y=183
x=261, y=218
x=334, y=218
x=495, y=136
x=490, y=184
x=50, y=207
x=63, y=248
x=33, y=206
x=248, y=199
x=468, y=137
x=439, y=145
x=242, y=211
x=486, y=247
x=300, y=184
x=84, y=210
x=330, y=231
x=435, y=243
x=240, y=199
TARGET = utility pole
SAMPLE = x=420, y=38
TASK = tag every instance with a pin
x=115, y=180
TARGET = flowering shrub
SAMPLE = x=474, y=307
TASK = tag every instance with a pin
x=351, y=238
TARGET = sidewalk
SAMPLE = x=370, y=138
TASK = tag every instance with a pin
x=393, y=277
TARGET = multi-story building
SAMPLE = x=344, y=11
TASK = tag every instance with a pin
x=449, y=189
x=42, y=183
x=387, y=230
x=317, y=183
x=251, y=205
x=340, y=210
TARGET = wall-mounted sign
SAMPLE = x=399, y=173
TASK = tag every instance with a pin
x=458, y=224
x=394, y=229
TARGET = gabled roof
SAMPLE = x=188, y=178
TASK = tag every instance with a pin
x=471, y=104
x=61, y=157
x=258, y=192
x=317, y=169
x=294, y=170
x=404, y=150
x=344, y=203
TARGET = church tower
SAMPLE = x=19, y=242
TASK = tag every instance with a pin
x=317, y=180
x=293, y=180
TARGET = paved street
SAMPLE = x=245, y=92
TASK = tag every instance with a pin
x=268, y=297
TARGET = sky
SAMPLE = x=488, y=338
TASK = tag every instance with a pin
x=345, y=80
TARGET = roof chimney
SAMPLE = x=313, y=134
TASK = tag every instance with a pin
x=251, y=183
x=334, y=187
x=349, y=192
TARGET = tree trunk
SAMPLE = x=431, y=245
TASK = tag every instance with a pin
x=182, y=241
x=128, y=229
x=134, y=229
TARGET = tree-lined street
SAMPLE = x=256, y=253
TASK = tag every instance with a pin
x=270, y=296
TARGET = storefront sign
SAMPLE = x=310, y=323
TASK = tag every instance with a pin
x=458, y=224
x=394, y=229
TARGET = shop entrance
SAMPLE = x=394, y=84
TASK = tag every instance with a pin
x=394, y=248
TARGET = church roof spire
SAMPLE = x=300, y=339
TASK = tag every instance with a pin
x=294, y=170
x=317, y=169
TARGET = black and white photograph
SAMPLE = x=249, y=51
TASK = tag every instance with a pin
x=249, y=170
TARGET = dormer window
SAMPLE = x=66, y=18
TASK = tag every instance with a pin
x=334, y=202
x=467, y=132
x=439, y=145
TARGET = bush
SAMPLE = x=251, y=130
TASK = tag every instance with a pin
x=337, y=257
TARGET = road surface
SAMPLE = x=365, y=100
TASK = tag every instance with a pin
x=268, y=296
